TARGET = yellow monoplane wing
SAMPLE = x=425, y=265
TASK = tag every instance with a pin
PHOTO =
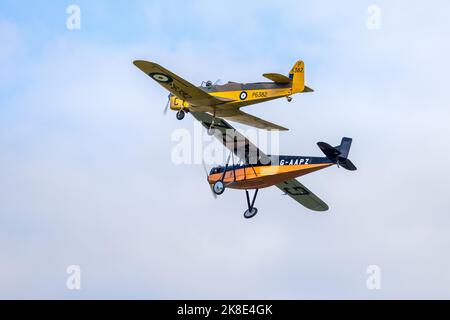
x=302, y=195
x=177, y=85
x=247, y=119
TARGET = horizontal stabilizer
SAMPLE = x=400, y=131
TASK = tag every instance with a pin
x=347, y=164
x=278, y=78
x=331, y=152
x=339, y=154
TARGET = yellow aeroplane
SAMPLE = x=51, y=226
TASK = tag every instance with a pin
x=225, y=101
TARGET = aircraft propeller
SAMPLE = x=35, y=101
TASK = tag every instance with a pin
x=167, y=106
x=207, y=174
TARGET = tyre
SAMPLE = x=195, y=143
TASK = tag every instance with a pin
x=219, y=187
x=180, y=115
x=250, y=214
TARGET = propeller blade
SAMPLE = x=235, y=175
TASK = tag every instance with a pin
x=207, y=174
x=167, y=107
x=212, y=191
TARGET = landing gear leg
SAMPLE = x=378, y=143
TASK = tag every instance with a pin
x=212, y=129
x=251, y=211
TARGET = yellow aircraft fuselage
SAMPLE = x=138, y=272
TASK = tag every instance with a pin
x=225, y=101
x=239, y=97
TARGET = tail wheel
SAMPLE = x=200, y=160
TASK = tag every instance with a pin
x=251, y=211
x=248, y=214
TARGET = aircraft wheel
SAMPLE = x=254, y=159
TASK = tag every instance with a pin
x=211, y=131
x=180, y=115
x=250, y=214
x=289, y=99
x=219, y=187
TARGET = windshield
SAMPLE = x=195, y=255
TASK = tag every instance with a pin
x=209, y=83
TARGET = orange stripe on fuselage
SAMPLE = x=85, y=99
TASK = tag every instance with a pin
x=265, y=176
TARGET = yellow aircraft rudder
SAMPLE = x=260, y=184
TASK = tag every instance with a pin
x=297, y=76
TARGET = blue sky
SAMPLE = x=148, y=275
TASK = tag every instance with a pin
x=86, y=175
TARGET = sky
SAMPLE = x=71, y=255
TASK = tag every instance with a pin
x=87, y=177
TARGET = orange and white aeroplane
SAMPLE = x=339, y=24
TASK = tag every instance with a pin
x=256, y=170
x=225, y=101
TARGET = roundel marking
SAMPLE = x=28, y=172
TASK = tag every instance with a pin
x=243, y=95
x=161, y=77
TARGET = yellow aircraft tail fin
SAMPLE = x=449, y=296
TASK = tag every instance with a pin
x=297, y=75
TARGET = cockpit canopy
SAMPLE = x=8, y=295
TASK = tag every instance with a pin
x=221, y=169
x=217, y=170
x=210, y=84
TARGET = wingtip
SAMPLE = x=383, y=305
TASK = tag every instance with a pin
x=323, y=208
x=143, y=64
x=139, y=63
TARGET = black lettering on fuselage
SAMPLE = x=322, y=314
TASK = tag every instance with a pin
x=259, y=94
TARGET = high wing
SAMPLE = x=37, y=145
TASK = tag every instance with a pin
x=278, y=78
x=253, y=121
x=302, y=195
x=232, y=139
x=177, y=85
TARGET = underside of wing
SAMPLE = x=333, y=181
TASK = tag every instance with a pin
x=302, y=195
x=278, y=78
x=232, y=139
x=177, y=85
x=248, y=119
